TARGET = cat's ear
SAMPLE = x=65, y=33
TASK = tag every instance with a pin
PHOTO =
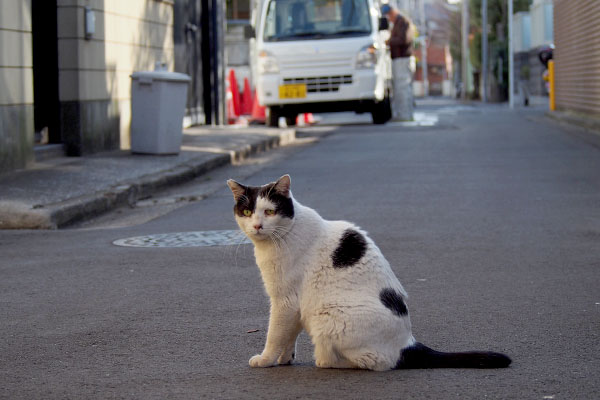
x=237, y=189
x=282, y=186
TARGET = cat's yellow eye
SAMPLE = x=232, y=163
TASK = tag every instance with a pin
x=247, y=212
x=270, y=212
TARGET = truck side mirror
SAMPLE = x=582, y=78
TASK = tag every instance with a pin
x=383, y=24
x=249, y=32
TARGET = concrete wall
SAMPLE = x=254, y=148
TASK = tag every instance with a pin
x=237, y=54
x=16, y=84
x=94, y=72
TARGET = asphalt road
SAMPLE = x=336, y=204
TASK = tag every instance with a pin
x=491, y=219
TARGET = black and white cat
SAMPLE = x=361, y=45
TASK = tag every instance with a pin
x=329, y=278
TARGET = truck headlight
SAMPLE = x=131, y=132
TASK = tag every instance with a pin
x=267, y=63
x=367, y=57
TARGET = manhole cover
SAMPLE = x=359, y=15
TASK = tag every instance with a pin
x=186, y=239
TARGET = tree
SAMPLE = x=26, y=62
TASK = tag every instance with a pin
x=497, y=34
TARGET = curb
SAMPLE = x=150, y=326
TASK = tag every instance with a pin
x=576, y=119
x=57, y=215
x=589, y=126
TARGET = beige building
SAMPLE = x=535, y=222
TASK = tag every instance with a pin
x=16, y=84
x=577, y=56
x=65, y=69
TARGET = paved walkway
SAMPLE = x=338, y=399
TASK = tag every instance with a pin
x=60, y=191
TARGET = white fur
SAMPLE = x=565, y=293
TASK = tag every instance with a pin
x=340, y=308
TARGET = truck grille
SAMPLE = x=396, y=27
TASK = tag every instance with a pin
x=321, y=83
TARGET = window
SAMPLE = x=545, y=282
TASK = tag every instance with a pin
x=238, y=9
x=316, y=19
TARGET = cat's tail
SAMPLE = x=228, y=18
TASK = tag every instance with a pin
x=420, y=356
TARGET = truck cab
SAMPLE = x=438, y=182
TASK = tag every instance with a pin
x=321, y=56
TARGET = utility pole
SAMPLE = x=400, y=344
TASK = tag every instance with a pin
x=424, y=48
x=484, y=50
x=465, y=48
x=511, y=67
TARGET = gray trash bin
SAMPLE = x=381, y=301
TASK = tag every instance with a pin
x=157, y=107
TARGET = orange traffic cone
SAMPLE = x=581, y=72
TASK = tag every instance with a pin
x=231, y=115
x=247, y=98
x=258, y=111
x=309, y=119
x=235, y=92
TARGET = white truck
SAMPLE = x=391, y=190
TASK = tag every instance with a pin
x=321, y=56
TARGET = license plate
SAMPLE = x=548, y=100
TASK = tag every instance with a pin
x=294, y=91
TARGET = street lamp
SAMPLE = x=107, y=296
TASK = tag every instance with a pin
x=484, y=50
x=511, y=72
x=465, y=48
x=423, y=39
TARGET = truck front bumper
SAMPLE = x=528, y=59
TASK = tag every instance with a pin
x=353, y=86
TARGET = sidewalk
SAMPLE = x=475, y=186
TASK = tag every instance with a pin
x=59, y=191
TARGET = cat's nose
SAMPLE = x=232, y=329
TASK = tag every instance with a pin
x=258, y=227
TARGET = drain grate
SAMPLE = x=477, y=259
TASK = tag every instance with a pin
x=186, y=239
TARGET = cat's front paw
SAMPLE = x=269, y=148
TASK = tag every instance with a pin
x=259, y=361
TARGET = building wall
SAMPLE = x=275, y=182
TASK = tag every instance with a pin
x=577, y=55
x=521, y=32
x=437, y=70
x=532, y=32
x=541, y=22
x=94, y=72
x=16, y=85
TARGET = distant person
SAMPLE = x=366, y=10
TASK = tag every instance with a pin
x=545, y=55
x=401, y=47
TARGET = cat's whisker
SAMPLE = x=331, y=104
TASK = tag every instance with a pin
x=275, y=239
x=282, y=243
x=240, y=243
x=289, y=233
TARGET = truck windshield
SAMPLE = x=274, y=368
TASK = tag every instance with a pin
x=316, y=19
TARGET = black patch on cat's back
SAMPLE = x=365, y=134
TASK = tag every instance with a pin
x=393, y=301
x=352, y=247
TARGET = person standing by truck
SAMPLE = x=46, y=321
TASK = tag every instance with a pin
x=401, y=46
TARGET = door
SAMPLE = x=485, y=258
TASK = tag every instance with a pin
x=45, y=71
x=188, y=60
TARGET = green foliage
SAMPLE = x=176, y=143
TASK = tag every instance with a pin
x=497, y=19
x=453, y=27
x=497, y=28
x=475, y=51
x=497, y=35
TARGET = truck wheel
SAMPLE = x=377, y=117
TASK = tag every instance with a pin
x=382, y=111
x=290, y=120
x=272, y=117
